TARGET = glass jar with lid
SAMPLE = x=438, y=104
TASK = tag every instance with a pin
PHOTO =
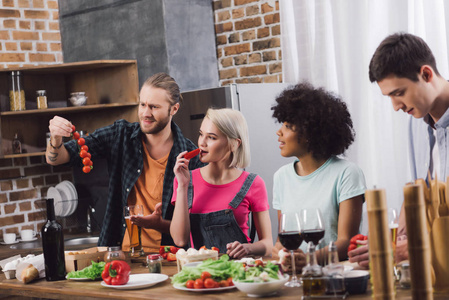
x=16, y=92
x=154, y=263
x=41, y=99
x=114, y=253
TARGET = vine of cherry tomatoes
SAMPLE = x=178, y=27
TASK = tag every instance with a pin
x=84, y=151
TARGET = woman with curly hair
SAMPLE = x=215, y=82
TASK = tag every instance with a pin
x=316, y=128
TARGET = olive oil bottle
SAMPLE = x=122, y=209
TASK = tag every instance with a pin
x=313, y=282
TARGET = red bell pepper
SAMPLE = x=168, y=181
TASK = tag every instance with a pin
x=116, y=272
x=353, y=242
x=192, y=153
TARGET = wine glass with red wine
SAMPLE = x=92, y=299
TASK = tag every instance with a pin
x=313, y=225
x=291, y=238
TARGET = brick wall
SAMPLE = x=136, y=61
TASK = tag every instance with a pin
x=248, y=41
x=24, y=183
x=29, y=35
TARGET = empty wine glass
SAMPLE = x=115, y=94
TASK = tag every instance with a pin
x=133, y=230
x=291, y=238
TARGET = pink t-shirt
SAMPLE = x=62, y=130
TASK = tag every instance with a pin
x=210, y=197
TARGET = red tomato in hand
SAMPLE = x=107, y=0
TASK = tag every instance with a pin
x=209, y=283
x=81, y=141
x=83, y=153
x=198, y=284
x=87, y=161
x=190, y=284
x=73, y=128
x=87, y=169
x=205, y=275
x=357, y=237
x=352, y=247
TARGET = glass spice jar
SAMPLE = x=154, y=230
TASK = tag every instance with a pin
x=41, y=99
x=16, y=92
x=154, y=263
x=114, y=253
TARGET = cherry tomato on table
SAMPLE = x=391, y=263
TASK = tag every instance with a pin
x=209, y=283
x=205, y=275
x=190, y=284
x=198, y=284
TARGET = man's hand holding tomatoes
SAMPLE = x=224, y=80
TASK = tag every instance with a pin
x=358, y=250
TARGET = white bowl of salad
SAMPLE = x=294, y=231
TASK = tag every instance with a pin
x=260, y=279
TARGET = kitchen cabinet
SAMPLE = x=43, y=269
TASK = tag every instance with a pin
x=112, y=88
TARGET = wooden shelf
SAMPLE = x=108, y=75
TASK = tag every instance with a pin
x=111, y=87
x=72, y=109
x=25, y=155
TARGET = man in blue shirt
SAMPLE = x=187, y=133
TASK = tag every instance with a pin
x=134, y=152
x=405, y=70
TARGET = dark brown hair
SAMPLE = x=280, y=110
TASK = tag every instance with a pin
x=401, y=54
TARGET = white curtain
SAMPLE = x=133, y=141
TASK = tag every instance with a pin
x=330, y=43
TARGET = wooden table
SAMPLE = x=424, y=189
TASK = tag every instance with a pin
x=65, y=289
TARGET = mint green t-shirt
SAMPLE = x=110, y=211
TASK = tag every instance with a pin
x=335, y=181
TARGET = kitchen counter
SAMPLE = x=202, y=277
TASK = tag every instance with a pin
x=94, y=290
x=35, y=247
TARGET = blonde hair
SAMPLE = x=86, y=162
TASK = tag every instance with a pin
x=233, y=124
x=167, y=83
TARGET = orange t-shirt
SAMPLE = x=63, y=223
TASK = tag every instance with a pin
x=148, y=192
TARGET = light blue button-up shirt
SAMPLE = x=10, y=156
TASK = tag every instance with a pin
x=421, y=143
x=442, y=127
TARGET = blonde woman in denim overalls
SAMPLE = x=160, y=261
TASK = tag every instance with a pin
x=212, y=203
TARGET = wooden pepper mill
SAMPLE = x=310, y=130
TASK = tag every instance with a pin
x=380, y=245
x=418, y=242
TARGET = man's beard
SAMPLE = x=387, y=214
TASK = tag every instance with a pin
x=158, y=126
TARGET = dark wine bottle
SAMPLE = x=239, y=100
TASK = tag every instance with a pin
x=53, y=245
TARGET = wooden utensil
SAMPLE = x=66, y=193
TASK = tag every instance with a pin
x=418, y=242
x=443, y=209
x=380, y=250
x=435, y=197
x=440, y=253
x=428, y=202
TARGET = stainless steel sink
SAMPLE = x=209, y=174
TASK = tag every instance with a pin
x=69, y=243
x=81, y=241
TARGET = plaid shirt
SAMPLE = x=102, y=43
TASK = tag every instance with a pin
x=121, y=145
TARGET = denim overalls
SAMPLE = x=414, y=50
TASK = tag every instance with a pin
x=217, y=229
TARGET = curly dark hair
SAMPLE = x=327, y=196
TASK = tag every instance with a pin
x=321, y=117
